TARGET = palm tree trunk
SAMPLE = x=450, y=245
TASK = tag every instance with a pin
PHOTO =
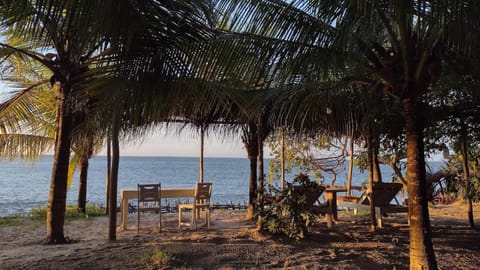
x=422, y=255
x=251, y=144
x=370, y=151
x=82, y=189
x=282, y=160
x=202, y=147
x=112, y=214
x=261, y=173
x=252, y=190
x=466, y=175
x=350, y=168
x=108, y=177
x=84, y=162
x=58, y=184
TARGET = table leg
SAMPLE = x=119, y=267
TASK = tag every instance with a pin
x=332, y=202
x=124, y=209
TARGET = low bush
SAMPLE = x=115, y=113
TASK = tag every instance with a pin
x=288, y=211
x=159, y=259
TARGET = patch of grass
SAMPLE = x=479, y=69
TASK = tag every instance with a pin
x=95, y=210
x=10, y=221
x=39, y=215
x=71, y=213
x=159, y=259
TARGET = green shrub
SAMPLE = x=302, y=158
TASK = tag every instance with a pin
x=289, y=211
x=158, y=259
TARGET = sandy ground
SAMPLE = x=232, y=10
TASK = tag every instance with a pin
x=232, y=243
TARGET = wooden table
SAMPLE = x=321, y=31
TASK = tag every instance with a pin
x=132, y=193
x=331, y=196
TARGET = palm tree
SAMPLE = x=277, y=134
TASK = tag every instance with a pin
x=395, y=47
x=30, y=114
x=26, y=115
x=81, y=43
x=70, y=53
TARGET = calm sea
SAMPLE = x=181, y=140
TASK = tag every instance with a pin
x=25, y=185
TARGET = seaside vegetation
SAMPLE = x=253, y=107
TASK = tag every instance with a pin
x=11, y=220
x=287, y=211
x=72, y=212
x=38, y=215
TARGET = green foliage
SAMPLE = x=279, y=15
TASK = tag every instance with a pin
x=39, y=215
x=468, y=188
x=10, y=221
x=71, y=213
x=361, y=161
x=472, y=189
x=159, y=259
x=309, y=153
x=288, y=212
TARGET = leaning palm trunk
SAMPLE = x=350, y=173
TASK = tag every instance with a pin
x=58, y=184
x=421, y=249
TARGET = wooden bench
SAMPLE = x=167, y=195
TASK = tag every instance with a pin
x=383, y=195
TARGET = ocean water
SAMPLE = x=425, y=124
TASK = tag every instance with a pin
x=25, y=185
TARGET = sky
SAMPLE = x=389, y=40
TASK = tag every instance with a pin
x=185, y=144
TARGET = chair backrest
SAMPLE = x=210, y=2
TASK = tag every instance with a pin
x=384, y=193
x=203, y=192
x=148, y=192
x=311, y=195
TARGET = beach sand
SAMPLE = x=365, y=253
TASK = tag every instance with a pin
x=233, y=243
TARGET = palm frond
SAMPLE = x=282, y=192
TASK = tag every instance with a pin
x=25, y=146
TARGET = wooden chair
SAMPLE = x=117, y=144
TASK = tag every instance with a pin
x=313, y=204
x=201, y=201
x=383, y=195
x=149, y=200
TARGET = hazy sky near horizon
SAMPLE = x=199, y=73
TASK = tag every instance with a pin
x=184, y=144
